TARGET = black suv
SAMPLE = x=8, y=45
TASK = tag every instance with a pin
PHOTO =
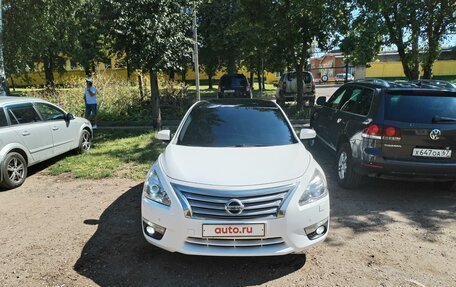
x=384, y=129
x=234, y=86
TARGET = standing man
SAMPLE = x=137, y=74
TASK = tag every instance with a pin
x=90, y=97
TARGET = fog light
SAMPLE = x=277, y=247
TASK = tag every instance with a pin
x=153, y=230
x=320, y=230
x=317, y=230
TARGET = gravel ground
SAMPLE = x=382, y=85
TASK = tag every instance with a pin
x=59, y=231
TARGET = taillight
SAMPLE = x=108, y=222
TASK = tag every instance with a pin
x=378, y=132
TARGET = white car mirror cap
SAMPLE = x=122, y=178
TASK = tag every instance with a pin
x=164, y=135
x=307, y=134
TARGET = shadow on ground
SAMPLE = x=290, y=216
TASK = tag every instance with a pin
x=118, y=255
x=380, y=202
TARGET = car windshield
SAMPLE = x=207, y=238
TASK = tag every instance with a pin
x=420, y=108
x=306, y=75
x=236, y=125
x=234, y=82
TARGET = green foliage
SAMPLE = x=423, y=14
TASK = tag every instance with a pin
x=116, y=153
x=364, y=39
x=42, y=32
x=413, y=26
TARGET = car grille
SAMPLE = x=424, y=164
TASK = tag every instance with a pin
x=234, y=243
x=211, y=204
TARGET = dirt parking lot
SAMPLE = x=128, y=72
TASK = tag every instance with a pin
x=59, y=231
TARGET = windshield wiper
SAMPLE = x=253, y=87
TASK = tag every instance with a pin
x=439, y=119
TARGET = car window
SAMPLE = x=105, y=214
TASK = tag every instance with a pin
x=420, y=108
x=212, y=125
x=49, y=112
x=3, y=121
x=234, y=81
x=22, y=114
x=359, y=102
x=336, y=100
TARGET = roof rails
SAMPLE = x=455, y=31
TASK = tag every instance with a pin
x=374, y=81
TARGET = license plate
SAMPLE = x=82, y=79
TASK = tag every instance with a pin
x=229, y=91
x=233, y=230
x=427, y=152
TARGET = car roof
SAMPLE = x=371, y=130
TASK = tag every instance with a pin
x=245, y=103
x=8, y=100
x=397, y=87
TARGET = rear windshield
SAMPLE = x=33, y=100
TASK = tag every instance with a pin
x=235, y=126
x=419, y=108
x=234, y=82
x=307, y=76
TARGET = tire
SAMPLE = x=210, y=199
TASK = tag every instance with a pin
x=14, y=170
x=85, y=142
x=346, y=174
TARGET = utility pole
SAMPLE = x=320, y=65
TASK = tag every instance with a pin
x=195, y=55
x=3, y=83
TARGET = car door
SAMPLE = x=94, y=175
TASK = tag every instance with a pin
x=64, y=133
x=323, y=118
x=351, y=117
x=32, y=131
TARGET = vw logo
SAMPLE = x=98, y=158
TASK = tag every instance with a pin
x=234, y=207
x=435, y=134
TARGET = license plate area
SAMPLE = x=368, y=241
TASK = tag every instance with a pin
x=234, y=230
x=229, y=91
x=431, y=153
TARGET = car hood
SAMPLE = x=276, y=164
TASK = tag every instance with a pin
x=241, y=166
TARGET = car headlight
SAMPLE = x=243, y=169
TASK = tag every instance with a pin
x=153, y=189
x=316, y=189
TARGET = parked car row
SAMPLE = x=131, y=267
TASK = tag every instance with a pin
x=383, y=129
x=33, y=130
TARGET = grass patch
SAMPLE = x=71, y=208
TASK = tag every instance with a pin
x=124, y=154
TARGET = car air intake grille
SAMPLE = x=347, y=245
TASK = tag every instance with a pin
x=234, y=243
x=232, y=204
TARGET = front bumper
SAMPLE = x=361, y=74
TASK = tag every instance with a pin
x=282, y=235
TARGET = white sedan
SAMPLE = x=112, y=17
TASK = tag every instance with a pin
x=33, y=130
x=235, y=180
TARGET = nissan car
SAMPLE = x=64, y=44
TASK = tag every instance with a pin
x=235, y=180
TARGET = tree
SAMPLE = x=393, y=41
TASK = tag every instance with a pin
x=409, y=21
x=42, y=33
x=90, y=47
x=363, y=40
x=297, y=23
x=154, y=35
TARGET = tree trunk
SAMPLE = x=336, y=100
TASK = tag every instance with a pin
x=251, y=79
x=184, y=74
x=231, y=69
x=155, y=101
x=49, y=70
x=262, y=80
x=209, y=76
x=171, y=74
x=300, y=87
x=140, y=86
x=259, y=79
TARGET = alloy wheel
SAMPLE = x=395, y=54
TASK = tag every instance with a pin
x=15, y=170
x=342, y=166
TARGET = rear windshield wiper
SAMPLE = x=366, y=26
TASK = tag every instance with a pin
x=438, y=119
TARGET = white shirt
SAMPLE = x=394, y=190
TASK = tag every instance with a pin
x=91, y=100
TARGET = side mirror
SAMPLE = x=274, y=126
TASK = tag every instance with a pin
x=164, y=135
x=69, y=117
x=321, y=101
x=307, y=134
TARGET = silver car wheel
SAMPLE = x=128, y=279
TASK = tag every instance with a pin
x=85, y=144
x=15, y=169
x=342, y=166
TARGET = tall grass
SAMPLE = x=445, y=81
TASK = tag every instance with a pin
x=118, y=99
